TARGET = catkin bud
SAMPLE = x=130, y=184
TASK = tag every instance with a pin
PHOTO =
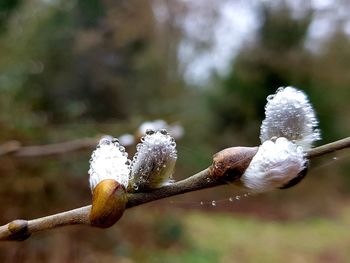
x=108, y=203
x=289, y=114
x=109, y=177
x=277, y=164
x=109, y=161
x=154, y=161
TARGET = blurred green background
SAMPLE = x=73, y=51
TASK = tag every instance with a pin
x=76, y=69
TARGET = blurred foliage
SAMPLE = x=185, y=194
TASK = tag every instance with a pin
x=6, y=8
x=77, y=62
x=278, y=57
x=71, y=69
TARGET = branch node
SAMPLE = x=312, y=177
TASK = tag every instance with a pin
x=19, y=230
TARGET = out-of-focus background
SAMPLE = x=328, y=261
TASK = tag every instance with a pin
x=73, y=69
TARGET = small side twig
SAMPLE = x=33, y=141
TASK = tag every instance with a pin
x=14, y=148
x=22, y=229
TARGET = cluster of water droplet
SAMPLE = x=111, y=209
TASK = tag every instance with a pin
x=109, y=161
x=289, y=114
x=231, y=199
x=154, y=161
x=275, y=164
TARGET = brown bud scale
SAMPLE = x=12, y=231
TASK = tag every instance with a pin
x=230, y=163
x=108, y=203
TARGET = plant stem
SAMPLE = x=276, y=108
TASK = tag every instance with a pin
x=22, y=229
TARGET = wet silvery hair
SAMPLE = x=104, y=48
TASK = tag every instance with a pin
x=109, y=161
x=289, y=129
x=275, y=164
x=154, y=161
x=289, y=114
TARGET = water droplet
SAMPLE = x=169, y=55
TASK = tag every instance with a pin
x=270, y=97
x=335, y=158
x=213, y=203
x=150, y=131
x=201, y=203
x=163, y=131
x=122, y=148
x=230, y=199
x=238, y=197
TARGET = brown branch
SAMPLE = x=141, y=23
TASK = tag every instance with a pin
x=14, y=148
x=329, y=148
x=226, y=168
x=22, y=229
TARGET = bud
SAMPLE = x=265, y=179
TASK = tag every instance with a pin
x=109, y=161
x=109, y=176
x=108, y=203
x=19, y=230
x=289, y=114
x=154, y=161
x=277, y=164
x=230, y=163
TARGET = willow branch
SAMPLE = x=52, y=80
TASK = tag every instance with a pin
x=15, y=149
x=329, y=148
x=22, y=229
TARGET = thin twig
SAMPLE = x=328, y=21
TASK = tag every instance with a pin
x=22, y=229
x=14, y=148
x=328, y=148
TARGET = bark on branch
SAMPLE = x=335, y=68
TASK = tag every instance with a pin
x=15, y=149
x=227, y=170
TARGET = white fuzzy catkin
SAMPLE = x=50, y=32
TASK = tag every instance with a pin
x=289, y=114
x=274, y=165
x=154, y=162
x=109, y=161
